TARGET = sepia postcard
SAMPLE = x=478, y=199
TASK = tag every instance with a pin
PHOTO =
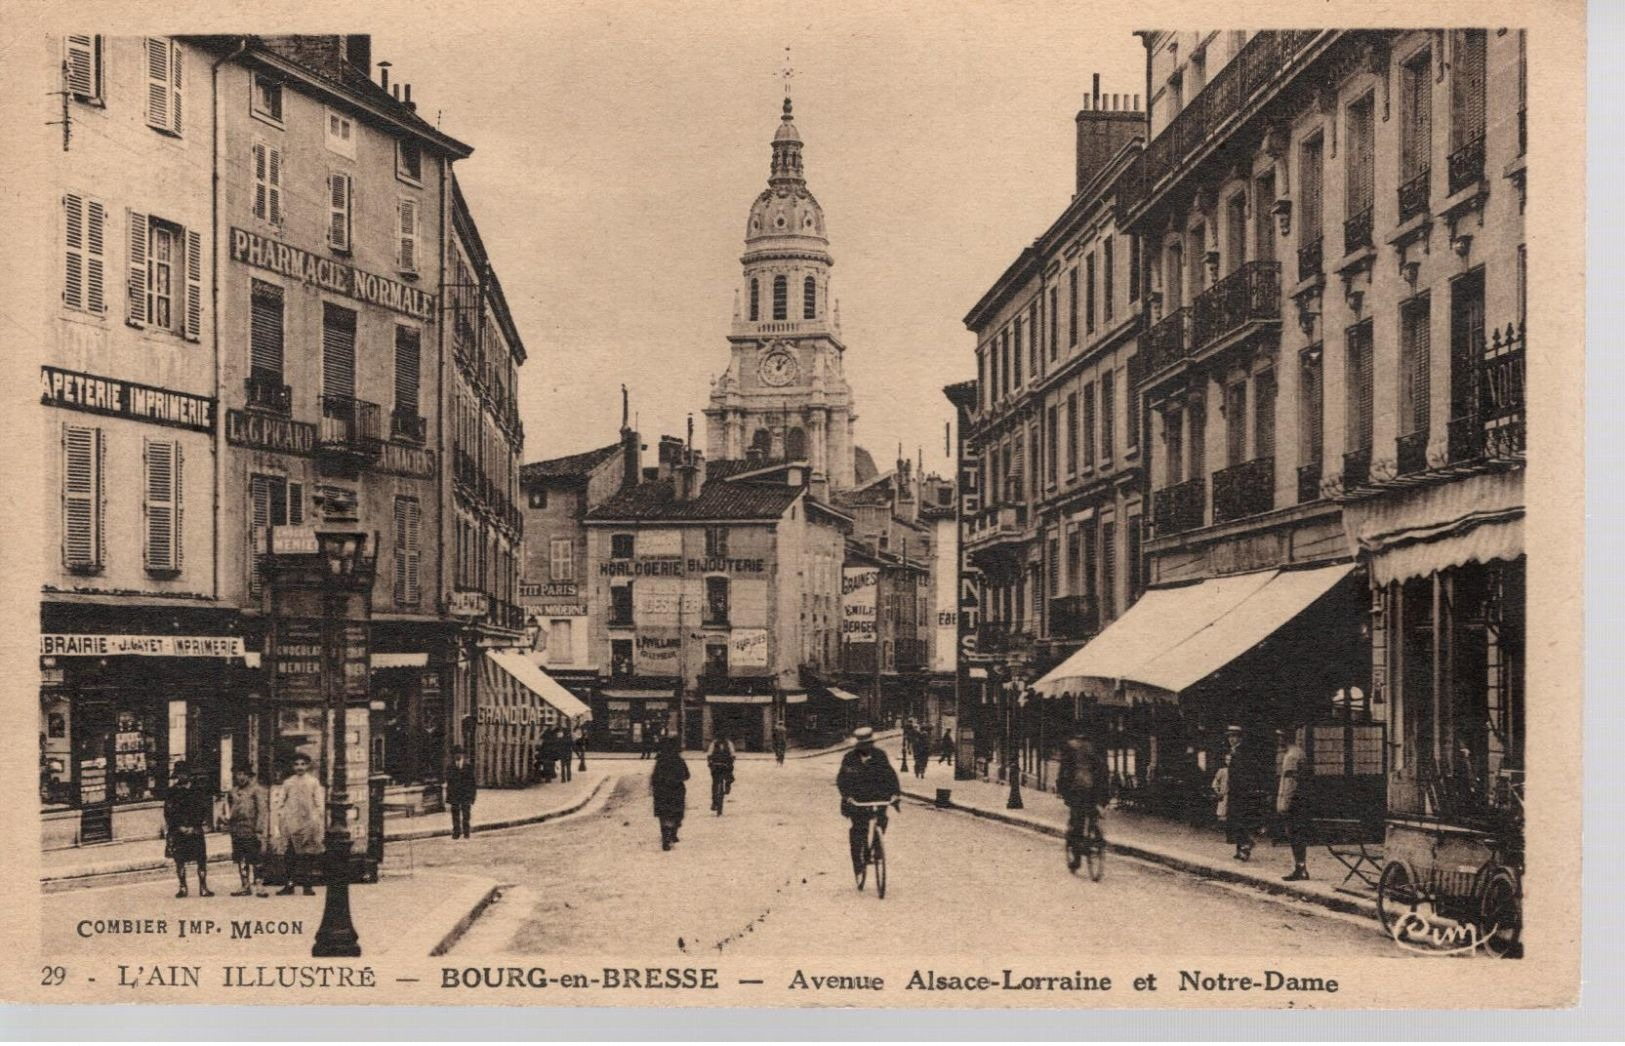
x=932, y=505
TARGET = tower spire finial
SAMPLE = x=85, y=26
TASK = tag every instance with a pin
x=789, y=74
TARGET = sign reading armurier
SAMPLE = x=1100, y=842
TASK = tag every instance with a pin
x=329, y=275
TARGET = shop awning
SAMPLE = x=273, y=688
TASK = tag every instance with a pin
x=640, y=695
x=1427, y=529
x=795, y=697
x=738, y=699
x=840, y=695
x=413, y=660
x=539, y=683
x=1174, y=638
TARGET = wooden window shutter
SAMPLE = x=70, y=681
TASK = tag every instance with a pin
x=82, y=451
x=338, y=351
x=95, y=256
x=175, y=88
x=82, y=67
x=163, y=475
x=274, y=184
x=265, y=330
x=77, y=219
x=407, y=367
x=338, y=211
x=194, y=285
x=262, y=203
x=296, y=504
x=408, y=527
x=259, y=520
x=136, y=312
x=408, y=259
x=158, y=83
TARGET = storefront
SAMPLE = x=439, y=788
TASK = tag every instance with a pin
x=624, y=719
x=120, y=704
x=519, y=704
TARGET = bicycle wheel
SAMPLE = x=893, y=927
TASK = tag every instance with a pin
x=1397, y=895
x=1501, y=914
x=1094, y=849
x=717, y=792
x=861, y=872
x=878, y=855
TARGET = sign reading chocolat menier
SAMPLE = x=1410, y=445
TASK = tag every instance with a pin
x=285, y=260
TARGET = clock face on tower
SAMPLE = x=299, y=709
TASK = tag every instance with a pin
x=778, y=368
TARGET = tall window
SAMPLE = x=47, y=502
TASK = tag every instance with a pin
x=1198, y=441
x=409, y=162
x=1263, y=220
x=1054, y=322
x=83, y=55
x=559, y=642
x=408, y=363
x=1466, y=342
x=1173, y=434
x=1415, y=134
x=265, y=332
x=1311, y=220
x=716, y=541
x=716, y=601
x=162, y=506
x=164, y=85
x=620, y=604
x=1361, y=155
x=1235, y=422
x=267, y=183
x=1264, y=414
x=809, y=299
x=1133, y=268
x=1071, y=434
x=1032, y=335
x=561, y=559
x=1089, y=292
x=755, y=299
x=1415, y=361
x=165, y=276
x=1108, y=571
x=1050, y=442
x=1014, y=357
x=1072, y=305
x=1359, y=388
x=1235, y=220
x=1091, y=534
x=83, y=540
x=1015, y=341
x=1074, y=561
x=1107, y=272
x=1089, y=425
x=1004, y=362
x=407, y=247
x=338, y=351
x=340, y=192
x=408, y=551
x=1311, y=435
x=272, y=502
x=85, y=263
x=983, y=387
x=1131, y=411
x=1467, y=113
x=781, y=298
x=1197, y=260
x=1108, y=407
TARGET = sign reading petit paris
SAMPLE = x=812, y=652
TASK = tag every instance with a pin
x=285, y=260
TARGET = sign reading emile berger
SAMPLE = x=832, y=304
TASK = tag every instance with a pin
x=285, y=260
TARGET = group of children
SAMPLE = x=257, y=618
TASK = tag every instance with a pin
x=189, y=812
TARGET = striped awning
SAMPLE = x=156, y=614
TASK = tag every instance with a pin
x=841, y=695
x=533, y=679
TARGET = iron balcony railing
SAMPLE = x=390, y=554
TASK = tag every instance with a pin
x=1003, y=639
x=1411, y=453
x=1169, y=340
x=1180, y=507
x=1467, y=165
x=269, y=393
x=1311, y=259
x=1243, y=490
x=1413, y=195
x=1357, y=231
x=1309, y=482
x=1263, y=61
x=408, y=426
x=1357, y=468
x=1497, y=429
x=1074, y=617
x=349, y=426
x=1251, y=294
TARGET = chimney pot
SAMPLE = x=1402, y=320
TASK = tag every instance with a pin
x=408, y=94
x=395, y=91
x=383, y=75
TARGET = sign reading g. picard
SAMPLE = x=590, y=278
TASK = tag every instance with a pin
x=284, y=260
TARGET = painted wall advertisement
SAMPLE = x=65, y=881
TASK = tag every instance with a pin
x=858, y=588
x=747, y=648
x=656, y=651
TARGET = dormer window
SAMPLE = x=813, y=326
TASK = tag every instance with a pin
x=341, y=134
x=267, y=99
x=409, y=162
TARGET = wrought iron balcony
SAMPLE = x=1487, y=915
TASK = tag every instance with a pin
x=408, y=426
x=1357, y=469
x=1264, y=60
x=349, y=427
x=1003, y=639
x=1169, y=340
x=1180, y=507
x=1074, y=617
x=1497, y=429
x=268, y=392
x=1467, y=165
x=1244, y=490
x=1413, y=195
x=1357, y=231
x=1411, y=453
x=1251, y=294
x=1311, y=259
x=1309, y=482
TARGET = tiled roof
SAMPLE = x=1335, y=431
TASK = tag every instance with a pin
x=716, y=500
x=571, y=466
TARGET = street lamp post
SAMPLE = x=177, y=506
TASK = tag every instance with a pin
x=347, y=570
x=1014, y=691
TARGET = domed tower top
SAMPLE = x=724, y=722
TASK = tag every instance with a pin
x=785, y=216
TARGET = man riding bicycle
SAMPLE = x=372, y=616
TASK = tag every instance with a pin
x=721, y=762
x=1082, y=781
x=866, y=776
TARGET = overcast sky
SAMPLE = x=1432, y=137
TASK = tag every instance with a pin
x=618, y=148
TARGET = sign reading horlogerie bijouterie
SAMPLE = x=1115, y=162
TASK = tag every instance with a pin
x=125, y=399
x=284, y=260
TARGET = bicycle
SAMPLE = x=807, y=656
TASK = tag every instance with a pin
x=874, y=848
x=1085, y=842
x=719, y=791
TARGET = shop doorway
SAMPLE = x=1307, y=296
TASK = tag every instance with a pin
x=740, y=724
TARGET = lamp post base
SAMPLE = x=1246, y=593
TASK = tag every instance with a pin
x=336, y=937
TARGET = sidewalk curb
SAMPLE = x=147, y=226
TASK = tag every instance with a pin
x=222, y=854
x=1347, y=905
x=449, y=939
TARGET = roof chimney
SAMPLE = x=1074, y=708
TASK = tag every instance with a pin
x=383, y=75
x=408, y=99
x=1105, y=125
x=631, y=447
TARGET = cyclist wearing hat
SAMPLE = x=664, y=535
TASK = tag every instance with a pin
x=866, y=776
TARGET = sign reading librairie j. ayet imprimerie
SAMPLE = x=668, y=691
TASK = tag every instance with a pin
x=285, y=260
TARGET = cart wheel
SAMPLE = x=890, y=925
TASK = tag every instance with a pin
x=1501, y=914
x=1397, y=895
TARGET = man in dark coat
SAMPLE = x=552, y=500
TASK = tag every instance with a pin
x=668, y=785
x=188, y=809
x=461, y=788
x=866, y=776
x=1242, y=790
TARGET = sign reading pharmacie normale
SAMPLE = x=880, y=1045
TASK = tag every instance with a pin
x=286, y=260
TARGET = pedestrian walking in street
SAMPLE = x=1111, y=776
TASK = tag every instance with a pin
x=299, y=813
x=720, y=761
x=547, y=755
x=1290, y=803
x=1237, y=807
x=581, y=748
x=188, y=809
x=922, y=752
x=668, y=785
x=946, y=748
x=781, y=742
x=561, y=752
x=651, y=741
x=461, y=788
x=248, y=820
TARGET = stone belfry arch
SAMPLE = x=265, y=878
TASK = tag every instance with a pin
x=784, y=393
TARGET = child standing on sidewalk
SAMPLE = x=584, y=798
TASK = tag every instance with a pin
x=248, y=819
